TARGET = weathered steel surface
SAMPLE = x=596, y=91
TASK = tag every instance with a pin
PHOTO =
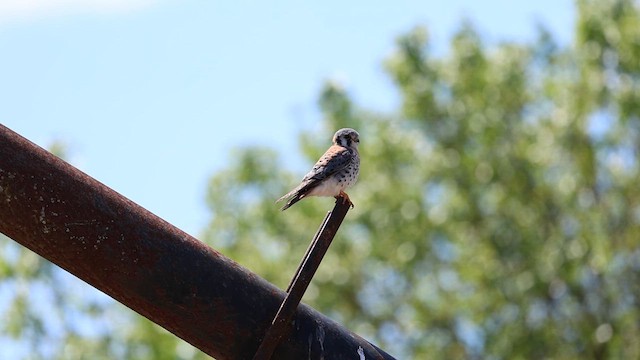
x=149, y=265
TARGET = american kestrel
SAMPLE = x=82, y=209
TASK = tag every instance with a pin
x=336, y=170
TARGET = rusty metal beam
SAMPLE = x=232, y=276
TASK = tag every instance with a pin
x=149, y=265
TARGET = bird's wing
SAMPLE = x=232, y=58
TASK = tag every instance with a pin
x=334, y=159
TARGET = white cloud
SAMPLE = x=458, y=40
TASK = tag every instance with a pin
x=20, y=10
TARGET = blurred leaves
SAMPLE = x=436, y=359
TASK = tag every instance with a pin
x=496, y=212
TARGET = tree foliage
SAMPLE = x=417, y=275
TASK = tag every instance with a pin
x=497, y=212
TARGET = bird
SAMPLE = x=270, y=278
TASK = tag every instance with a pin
x=333, y=173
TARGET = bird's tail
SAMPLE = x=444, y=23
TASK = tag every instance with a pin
x=294, y=196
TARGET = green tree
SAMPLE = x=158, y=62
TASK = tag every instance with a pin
x=497, y=211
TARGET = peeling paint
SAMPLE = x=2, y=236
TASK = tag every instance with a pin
x=320, y=337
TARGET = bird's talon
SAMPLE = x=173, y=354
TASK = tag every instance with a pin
x=345, y=199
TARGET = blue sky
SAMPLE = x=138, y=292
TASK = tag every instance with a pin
x=152, y=95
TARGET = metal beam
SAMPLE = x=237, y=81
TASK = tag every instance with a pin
x=151, y=266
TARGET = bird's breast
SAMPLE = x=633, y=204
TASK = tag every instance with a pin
x=340, y=181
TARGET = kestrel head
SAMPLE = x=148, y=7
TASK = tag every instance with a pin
x=347, y=137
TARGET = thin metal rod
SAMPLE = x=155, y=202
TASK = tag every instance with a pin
x=313, y=243
x=307, y=268
x=149, y=265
